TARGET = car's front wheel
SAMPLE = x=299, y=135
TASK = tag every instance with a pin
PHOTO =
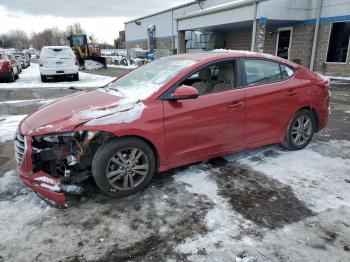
x=300, y=130
x=123, y=167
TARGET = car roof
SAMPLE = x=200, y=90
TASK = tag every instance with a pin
x=224, y=53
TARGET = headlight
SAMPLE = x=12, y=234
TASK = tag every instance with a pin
x=54, y=138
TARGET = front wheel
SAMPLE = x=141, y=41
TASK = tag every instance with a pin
x=300, y=130
x=123, y=167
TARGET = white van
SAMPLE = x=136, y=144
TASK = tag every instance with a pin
x=58, y=61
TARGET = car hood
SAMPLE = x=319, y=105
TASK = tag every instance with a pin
x=64, y=115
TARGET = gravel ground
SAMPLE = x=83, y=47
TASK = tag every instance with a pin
x=267, y=204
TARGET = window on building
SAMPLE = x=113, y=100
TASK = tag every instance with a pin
x=261, y=71
x=338, y=42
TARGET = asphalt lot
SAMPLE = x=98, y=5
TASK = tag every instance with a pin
x=267, y=204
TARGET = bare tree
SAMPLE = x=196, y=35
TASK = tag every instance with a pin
x=16, y=39
x=75, y=29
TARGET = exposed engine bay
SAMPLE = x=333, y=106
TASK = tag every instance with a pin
x=66, y=156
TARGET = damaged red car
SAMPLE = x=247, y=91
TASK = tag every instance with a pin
x=168, y=113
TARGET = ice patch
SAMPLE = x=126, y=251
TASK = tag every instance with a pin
x=8, y=126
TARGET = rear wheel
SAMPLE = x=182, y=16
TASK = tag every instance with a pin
x=43, y=78
x=11, y=78
x=300, y=130
x=76, y=77
x=123, y=167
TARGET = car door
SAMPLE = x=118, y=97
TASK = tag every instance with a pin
x=268, y=101
x=210, y=124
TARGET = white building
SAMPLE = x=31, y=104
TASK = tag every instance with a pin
x=314, y=33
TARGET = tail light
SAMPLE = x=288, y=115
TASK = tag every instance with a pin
x=41, y=64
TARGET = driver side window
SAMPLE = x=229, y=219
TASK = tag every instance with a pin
x=212, y=79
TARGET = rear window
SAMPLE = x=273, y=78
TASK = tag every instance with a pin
x=56, y=52
x=264, y=71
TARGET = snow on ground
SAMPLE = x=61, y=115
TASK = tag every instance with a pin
x=123, y=66
x=8, y=126
x=30, y=78
x=319, y=178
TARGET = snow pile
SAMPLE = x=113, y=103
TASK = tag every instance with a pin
x=92, y=65
x=8, y=126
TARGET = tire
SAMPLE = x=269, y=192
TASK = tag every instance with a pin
x=304, y=132
x=116, y=156
x=11, y=78
x=76, y=77
x=17, y=77
x=43, y=78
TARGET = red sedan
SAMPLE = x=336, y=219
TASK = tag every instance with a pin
x=171, y=112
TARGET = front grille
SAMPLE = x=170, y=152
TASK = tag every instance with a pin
x=20, y=148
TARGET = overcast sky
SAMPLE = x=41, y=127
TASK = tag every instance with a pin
x=102, y=18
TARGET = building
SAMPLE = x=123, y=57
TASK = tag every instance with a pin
x=314, y=33
x=119, y=43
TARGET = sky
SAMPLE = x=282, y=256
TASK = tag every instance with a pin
x=104, y=18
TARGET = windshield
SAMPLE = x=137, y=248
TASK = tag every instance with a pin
x=148, y=79
x=78, y=40
x=56, y=52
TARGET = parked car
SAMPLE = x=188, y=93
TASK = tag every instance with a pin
x=7, y=72
x=27, y=57
x=16, y=67
x=168, y=113
x=18, y=64
x=58, y=61
x=21, y=58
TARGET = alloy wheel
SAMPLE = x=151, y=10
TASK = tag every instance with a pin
x=301, y=130
x=127, y=169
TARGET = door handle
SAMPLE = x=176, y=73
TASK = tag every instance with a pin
x=291, y=93
x=235, y=104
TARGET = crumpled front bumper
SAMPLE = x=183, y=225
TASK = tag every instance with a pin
x=46, y=186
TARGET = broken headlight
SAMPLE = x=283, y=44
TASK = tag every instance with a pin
x=56, y=138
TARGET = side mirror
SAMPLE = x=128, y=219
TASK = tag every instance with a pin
x=184, y=92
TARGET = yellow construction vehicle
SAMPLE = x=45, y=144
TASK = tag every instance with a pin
x=84, y=51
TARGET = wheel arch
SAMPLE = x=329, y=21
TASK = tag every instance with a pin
x=314, y=112
x=109, y=136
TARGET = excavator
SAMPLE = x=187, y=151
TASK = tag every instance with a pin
x=84, y=51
